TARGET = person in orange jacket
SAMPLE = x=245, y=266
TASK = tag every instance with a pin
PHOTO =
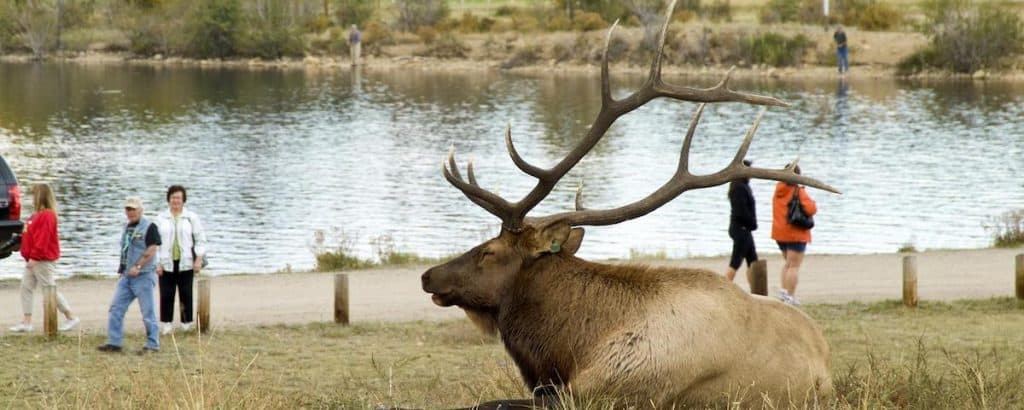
x=40, y=246
x=792, y=240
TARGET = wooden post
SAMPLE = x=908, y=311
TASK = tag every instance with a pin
x=759, y=277
x=341, y=298
x=910, y=281
x=50, y=311
x=1020, y=278
x=204, y=305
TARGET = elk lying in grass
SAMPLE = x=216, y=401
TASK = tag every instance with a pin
x=644, y=336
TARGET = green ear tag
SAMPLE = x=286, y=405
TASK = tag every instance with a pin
x=555, y=247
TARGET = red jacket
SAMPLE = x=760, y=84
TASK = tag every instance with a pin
x=782, y=231
x=40, y=241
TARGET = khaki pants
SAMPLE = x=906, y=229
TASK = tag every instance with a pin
x=41, y=274
x=354, y=50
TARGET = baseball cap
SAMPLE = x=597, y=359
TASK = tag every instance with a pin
x=133, y=202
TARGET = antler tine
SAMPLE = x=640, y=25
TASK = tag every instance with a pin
x=684, y=156
x=655, y=75
x=487, y=200
x=469, y=173
x=742, y=152
x=518, y=160
x=606, y=88
x=579, y=197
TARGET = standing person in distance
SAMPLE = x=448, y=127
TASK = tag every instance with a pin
x=792, y=240
x=181, y=253
x=842, y=51
x=355, y=40
x=742, y=222
x=40, y=246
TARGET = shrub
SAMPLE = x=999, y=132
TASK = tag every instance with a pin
x=558, y=23
x=1008, y=229
x=774, y=49
x=447, y=46
x=330, y=257
x=524, y=56
x=413, y=14
x=214, y=28
x=426, y=34
x=878, y=16
x=350, y=12
x=917, y=62
x=271, y=42
x=505, y=11
x=720, y=10
x=586, y=21
x=978, y=38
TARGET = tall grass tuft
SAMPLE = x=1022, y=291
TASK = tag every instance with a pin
x=774, y=49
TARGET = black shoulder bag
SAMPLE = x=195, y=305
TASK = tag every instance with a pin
x=796, y=215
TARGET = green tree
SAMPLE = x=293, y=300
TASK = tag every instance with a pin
x=213, y=28
x=354, y=11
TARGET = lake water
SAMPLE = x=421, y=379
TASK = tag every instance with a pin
x=272, y=156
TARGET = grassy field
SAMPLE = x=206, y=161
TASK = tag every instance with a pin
x=967, y=354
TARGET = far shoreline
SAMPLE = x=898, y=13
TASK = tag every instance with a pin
x=332, y=64
x=657, y=261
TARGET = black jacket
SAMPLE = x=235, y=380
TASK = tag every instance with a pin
x=741, y=199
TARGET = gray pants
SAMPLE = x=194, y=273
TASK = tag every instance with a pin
x=354, y=50
x=41, y=274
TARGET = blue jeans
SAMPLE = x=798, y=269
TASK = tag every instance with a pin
x=843, y=58
x=128, y=289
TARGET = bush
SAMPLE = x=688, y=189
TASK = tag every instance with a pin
x=447, y=46
x=774, y=49
x=778, y=11
x=214, y=29
x=413, y=14
x=426, y=34
x=350, y=12
x=966, y=39
x=720, y=10
x=1008, y=229
x=917, y=62
x=878, y=16
x=524, y=56
x=586, y=21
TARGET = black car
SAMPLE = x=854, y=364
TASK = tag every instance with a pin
x=10, y=211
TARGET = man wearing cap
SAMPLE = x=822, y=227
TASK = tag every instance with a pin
x=139, y=244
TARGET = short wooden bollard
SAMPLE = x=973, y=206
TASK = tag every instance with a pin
x=204, y=305
x=50, y=311
x=1020, y=278
x=759, y=277
x=341, y=298
x=910, y=281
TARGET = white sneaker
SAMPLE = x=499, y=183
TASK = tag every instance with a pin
x=166, y=328
x=784, y=295
x=21, y=328
x=70, y=324
x=187, y=327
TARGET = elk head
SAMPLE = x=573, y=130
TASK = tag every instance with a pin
x=477, y=279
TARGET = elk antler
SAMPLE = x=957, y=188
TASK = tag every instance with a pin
x=513, y=215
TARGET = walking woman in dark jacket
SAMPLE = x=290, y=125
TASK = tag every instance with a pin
x=742, y=221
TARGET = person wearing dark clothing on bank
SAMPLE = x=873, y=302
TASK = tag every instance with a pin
x=742, y=221
x=842, y=52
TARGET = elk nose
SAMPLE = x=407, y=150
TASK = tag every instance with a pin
x=426, y=277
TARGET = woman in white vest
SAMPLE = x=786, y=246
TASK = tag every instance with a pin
x=182, y=249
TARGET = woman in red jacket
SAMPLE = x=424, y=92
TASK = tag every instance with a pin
x=40, y=247
x=792, y=240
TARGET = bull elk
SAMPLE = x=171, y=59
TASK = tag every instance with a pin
x=654, y=336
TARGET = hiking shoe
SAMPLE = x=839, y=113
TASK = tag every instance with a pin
x=188, y=327
x=21, y=328
x=166, y=328
x=147, y=350
x=109, y=348
x=70, y=324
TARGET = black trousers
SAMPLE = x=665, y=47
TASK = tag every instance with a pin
x=180, y=281
x=742, y=247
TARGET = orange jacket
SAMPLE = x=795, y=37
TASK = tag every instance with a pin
x=782, y=231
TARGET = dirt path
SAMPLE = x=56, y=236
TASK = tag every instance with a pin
x=395, y=295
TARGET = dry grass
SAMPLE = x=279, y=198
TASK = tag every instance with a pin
x=965, y=354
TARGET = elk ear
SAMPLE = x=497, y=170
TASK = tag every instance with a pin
x=572, y=244
x=559, y=238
